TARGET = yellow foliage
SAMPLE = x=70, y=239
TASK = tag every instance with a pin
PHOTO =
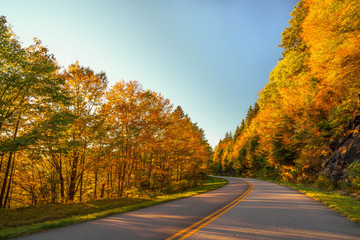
x=311, y=94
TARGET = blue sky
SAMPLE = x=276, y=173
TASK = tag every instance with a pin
x=211, y=57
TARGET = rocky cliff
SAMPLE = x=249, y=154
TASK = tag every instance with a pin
x=344, y=151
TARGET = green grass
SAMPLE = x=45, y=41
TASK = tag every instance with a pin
x=22, y=221
x=347, y=206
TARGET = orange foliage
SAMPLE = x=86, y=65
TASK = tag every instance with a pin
x=312, y=93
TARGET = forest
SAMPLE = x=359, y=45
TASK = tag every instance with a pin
x=66, y=136
x=308, y=103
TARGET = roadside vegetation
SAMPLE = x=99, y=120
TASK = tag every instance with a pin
x=22, y=221
x=337, y=200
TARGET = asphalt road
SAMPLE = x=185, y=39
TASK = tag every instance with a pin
x=262, y=211
x=272, y=211
x=157, y=222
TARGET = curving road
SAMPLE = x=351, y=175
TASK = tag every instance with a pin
x=249, y=209
x=272, y=211
x=156, y=222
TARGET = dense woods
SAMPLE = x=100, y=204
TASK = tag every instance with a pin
x=311, y=96
x=66, y=136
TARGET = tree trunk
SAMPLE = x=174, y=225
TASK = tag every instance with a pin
x=109, y=186
x=121, y=180
x=81, y=186
x=73, y=178
x=62, y=187
x=96, y=171
x=111, y=183
x=4, y=185
x=95, y=184
x=53, y=187
x=9, y=185
x=102, y=190
x=2, y=194
x=1, y=163
x=82, y=162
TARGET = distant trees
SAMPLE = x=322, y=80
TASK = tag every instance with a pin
x=64, y=136
x=311, y=95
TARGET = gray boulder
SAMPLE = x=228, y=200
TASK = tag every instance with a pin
x=344, y=151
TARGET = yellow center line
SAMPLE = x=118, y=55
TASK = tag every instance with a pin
x=205, y=221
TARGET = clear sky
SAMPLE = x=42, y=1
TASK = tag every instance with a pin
x=211, y=57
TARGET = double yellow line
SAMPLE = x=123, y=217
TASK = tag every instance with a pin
x=205, y=221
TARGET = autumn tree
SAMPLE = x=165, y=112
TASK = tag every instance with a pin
x=86, y=89
x=311, y=95
x=29, y=83
x=65, y=137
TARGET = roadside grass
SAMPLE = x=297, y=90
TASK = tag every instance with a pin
x=347, y=206
x=22, y=221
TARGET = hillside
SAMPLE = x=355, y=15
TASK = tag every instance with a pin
x=305, y=110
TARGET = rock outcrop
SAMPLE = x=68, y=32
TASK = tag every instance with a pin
x=344, y=151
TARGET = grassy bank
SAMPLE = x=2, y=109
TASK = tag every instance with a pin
x=347, y=206
x=17, y=222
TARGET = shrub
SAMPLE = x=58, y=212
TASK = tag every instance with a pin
x=324, y=182
x=354, y=174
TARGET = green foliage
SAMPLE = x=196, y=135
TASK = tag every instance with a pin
x=30, y=86
x=291, y=37
x=282, y=154
x=252, y=111
x=354, y=174
x=239, y=130
x=324, y=182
